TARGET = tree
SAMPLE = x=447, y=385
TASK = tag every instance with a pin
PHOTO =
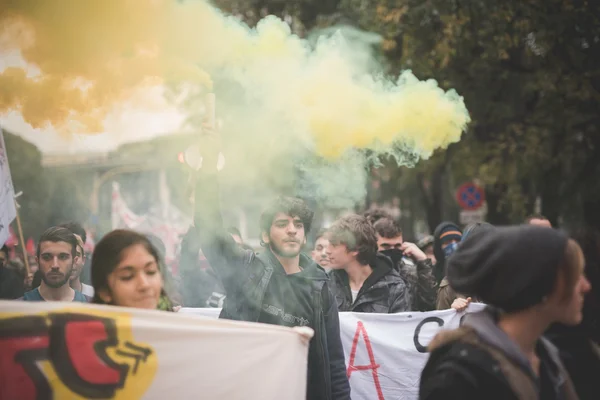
x=531, y=81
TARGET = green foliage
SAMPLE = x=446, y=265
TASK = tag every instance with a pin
x=530, y=75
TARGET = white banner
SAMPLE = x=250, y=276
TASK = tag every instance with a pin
x=385, y=353
x=8, y=211
x=77, y=351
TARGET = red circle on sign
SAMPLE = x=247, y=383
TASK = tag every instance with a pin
x=470, y=196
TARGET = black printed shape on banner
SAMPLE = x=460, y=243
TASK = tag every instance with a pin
x=420, y=348
x=23, y=343
x=78, y=352
x=142, y=354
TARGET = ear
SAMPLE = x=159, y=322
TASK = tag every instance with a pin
x=105, y=296
x=265, y=237
x=354, y=254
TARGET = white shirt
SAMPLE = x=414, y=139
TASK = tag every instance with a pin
x=87, y=290
x=354, y=295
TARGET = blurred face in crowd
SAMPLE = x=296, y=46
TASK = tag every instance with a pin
x=56, y=263
x=540, y=222
x=319, y=254
x=449, y=247
x=339, y=256
x=389, y=243
x=286, y=235
x=3, y=259
x=80, y=259
x=33, y=265
x=565, y=303
x=135, y=282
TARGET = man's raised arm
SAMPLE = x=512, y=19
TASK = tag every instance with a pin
x=221, y=251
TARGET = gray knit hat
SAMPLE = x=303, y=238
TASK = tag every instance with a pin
x=512, y=268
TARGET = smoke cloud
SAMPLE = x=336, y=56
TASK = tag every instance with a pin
x=287, y=106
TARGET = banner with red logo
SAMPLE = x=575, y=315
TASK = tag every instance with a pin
x=79, y=351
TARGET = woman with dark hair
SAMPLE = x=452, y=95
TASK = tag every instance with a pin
x=126, y=271
x=530, y=277
x=580, y=345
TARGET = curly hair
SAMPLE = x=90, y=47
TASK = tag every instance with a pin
x=292, y=206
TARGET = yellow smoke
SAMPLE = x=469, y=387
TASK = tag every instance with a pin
x=287, y=106
x=93, y=54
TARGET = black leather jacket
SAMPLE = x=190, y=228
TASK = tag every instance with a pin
x=384, y=291
x=245, y=278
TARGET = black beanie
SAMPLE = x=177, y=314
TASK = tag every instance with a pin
x=512, y=268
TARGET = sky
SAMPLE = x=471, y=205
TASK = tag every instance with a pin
x=125, y=125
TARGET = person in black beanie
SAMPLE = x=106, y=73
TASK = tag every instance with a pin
x=445, y=242
x=530, y=277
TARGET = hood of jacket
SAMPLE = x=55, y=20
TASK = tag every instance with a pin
x=383, y=291
x=485, y=325
x=383, y=267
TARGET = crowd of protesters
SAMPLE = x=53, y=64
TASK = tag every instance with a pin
x=537, y=337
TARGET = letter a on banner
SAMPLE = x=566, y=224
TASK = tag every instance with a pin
x=373, y=366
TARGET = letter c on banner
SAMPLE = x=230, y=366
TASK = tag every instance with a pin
x=420, y=348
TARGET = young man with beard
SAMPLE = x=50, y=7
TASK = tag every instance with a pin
x=56, y=255
x=279, y=286
x=362, y=279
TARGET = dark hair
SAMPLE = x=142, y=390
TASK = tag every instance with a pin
x=109, y=252
x=75, y=228
x=37, y=279
x=4, y=249
x=376, y=214
x=475, y=227
x=59, y=234
x=387, y=228
x=232, y=230
x=357, y=234
x=535, y=216
x=292, y=206
x=322, y=232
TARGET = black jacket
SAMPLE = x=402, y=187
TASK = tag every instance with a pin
x=419, y=279
x=245, y=278
x=479, y=361
x=11, y=286
x=384, y=291
x=581, y=357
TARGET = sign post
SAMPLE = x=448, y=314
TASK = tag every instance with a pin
x=471, y=198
